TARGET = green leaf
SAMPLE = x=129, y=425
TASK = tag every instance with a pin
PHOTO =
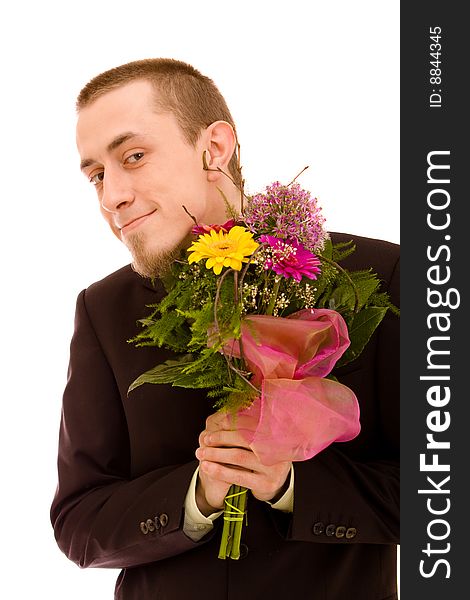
x=327, y=249
x=343, y=249
x=166, y=372
x=344, y=297
x=361, y=328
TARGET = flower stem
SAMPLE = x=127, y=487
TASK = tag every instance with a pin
x=238, y=525
x=225, y=537
x=272, y=302
x=234, y=513
x=298, y=175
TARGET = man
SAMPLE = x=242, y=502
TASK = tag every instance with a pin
x=142, y=477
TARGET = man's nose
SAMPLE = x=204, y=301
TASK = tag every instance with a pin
x=117, y=191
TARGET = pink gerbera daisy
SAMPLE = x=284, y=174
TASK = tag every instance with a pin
x=290, y=259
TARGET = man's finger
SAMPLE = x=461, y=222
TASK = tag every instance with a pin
x=224, y=438
x=231, y=457
x=221, y=420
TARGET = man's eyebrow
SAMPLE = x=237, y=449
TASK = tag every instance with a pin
x=115, y=143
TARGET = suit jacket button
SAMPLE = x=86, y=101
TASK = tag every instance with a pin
x=330, y=529
x=156, y=522
x=351, y=532
x=318, y=528
x=143, y=527
x=340, y=531
x=150, y=525
x=243, y=551
x=163, y=518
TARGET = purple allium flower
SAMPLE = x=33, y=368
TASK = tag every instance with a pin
x=288, y=212
x=290, y=259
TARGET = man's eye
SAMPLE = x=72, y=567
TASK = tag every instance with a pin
x=133, y=158
x=97, y=178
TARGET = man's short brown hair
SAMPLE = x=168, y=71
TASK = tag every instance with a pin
x=181, y=89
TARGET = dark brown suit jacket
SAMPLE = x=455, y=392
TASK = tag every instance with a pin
x=125, y=464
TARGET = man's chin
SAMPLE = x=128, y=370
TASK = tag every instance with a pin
x=154, y=267
x=152, y=263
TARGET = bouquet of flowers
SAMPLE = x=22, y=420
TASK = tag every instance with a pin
x=259, y=311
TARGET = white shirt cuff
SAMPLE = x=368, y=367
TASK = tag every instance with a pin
x=196, y=525
x=286, y=501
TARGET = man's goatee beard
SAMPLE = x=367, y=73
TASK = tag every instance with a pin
x=152, y=264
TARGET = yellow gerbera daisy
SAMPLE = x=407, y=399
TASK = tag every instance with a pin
x=223, y=249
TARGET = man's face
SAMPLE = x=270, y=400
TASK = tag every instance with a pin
x=143, y=171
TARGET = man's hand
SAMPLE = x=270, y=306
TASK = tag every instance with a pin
x=225, y=459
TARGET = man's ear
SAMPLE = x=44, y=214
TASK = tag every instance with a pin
x=220, y=145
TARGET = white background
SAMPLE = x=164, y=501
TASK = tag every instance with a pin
x=312, y=83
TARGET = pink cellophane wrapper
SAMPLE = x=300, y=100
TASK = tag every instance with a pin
x=299, y=413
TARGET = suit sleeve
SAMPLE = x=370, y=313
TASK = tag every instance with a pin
x=102, y=517
x=344, y=496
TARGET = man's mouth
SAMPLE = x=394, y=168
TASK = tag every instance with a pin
x=134, y=223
